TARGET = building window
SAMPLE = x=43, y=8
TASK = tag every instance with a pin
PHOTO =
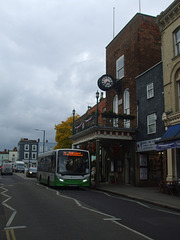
x=177, y=41
x=177, y=80
x=34, y=156
x=126, y=107
x=120, y=67
x=26, y=147
x=150, y=90
x=34, y=147
x=178, y=83
x=26, y=155
x=151, y=123
x=115, y=110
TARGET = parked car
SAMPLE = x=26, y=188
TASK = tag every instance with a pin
x=31, y=172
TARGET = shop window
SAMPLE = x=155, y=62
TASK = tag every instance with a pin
x=150, y=90
x=120, y=67
x=151, y=123
x=177, y=42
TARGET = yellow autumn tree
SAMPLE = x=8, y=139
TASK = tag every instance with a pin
x=64, y=132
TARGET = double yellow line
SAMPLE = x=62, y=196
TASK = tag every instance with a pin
x=10, y=234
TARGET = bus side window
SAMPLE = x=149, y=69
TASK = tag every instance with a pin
x=53, y=163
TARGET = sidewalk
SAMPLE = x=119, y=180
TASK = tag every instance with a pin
x=146, y=194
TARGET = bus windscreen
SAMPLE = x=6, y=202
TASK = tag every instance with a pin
x=73, y=162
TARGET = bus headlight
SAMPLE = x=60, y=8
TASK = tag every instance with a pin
x=85, y=180
x=61, y=180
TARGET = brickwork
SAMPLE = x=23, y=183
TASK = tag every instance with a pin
x=140, y=43
x=92, y=111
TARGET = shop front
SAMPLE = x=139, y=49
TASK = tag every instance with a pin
x=150, y=165
x=170, y=142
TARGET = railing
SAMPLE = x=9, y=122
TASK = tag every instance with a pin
x=104, y=120
x=84, y=124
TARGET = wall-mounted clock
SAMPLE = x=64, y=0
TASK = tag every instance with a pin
x=106, y=82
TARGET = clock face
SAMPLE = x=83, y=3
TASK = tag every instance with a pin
x=105, y=82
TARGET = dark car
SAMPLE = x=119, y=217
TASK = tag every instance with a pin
x=31, y=172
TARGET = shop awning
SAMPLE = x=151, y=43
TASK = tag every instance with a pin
x=171, y=138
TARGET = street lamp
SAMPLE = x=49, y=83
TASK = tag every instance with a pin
x=73, y=119
x=43, y=137
x=97, y=146
x=97, y=97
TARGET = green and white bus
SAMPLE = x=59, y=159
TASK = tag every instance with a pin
x=64, y=167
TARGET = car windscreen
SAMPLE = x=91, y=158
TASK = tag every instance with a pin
x=34, y=170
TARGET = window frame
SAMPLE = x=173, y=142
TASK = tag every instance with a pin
x=177, y=42
x=151, y=122
x=178, y=90
x=120, y=67
x=150, y=90
x=26, y=147
x=26, y=158
x=34, y=155
x=126, y=107
x=34, y=148
x=115, y=110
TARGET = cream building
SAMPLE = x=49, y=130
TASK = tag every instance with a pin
x=169, y=25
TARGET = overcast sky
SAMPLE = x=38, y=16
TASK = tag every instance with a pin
x=52, y=53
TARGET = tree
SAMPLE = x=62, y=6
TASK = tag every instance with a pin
x=64, y=132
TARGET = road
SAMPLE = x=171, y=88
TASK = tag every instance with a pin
x=32, y=211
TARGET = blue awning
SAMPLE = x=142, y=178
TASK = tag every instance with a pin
x=169, y=139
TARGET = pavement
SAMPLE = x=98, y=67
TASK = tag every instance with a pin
x=149, y=195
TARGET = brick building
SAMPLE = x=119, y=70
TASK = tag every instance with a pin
x=134, y=50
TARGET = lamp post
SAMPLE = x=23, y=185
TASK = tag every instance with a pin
x=43, y=137
x=97, y=97
x=97, y=146
x=73, y=119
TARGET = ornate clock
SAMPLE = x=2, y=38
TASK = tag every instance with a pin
x=106, y=82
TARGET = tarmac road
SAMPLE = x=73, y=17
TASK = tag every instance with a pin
x=33, y=211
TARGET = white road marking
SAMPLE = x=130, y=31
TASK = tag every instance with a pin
x=11, y=218
x=142, y=204
x=166, y=211
x=134, y=231
x=4, y=203
x=112, y=219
